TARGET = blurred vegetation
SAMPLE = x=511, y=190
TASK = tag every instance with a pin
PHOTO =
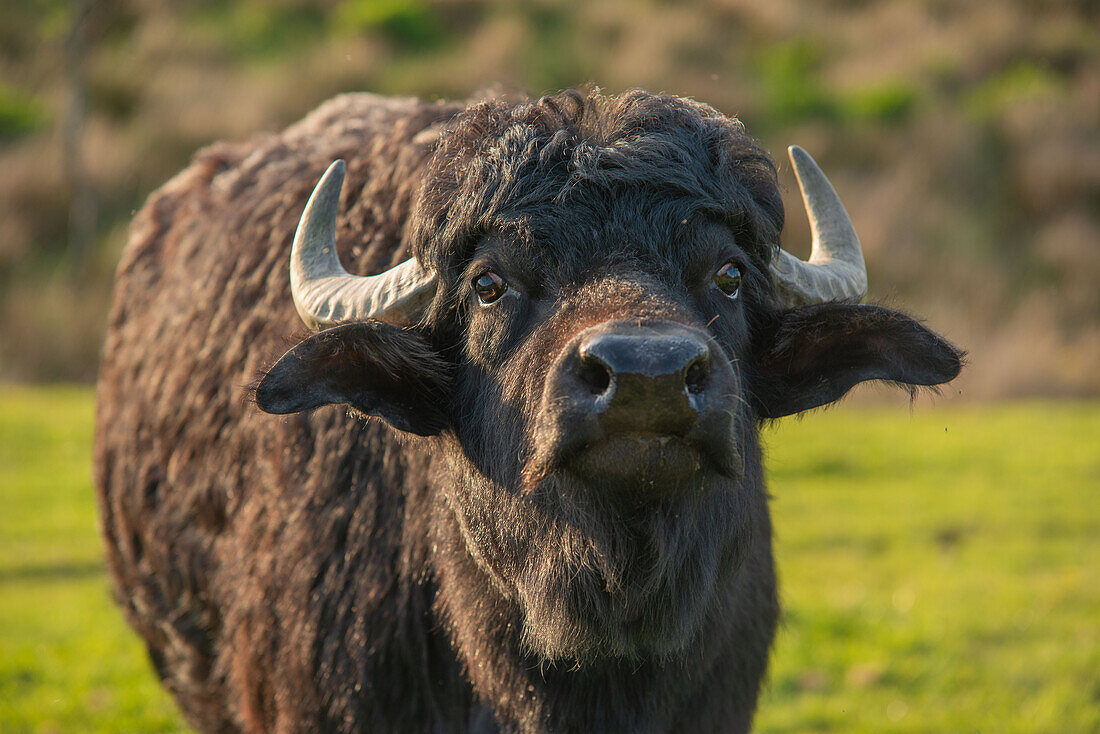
x=20, y=113
x=938, y=574
x=964, y=135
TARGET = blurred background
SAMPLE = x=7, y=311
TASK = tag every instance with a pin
x=964, y=136
x=938, y=565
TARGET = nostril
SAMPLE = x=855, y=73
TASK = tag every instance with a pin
x=696, y=375
x=594, y=374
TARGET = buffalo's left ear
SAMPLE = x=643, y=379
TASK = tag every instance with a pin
x=812, y=356
x=376, y=368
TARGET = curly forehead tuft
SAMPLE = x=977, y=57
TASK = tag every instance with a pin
x=505, y=163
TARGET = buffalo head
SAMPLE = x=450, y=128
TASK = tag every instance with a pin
x=596, y=319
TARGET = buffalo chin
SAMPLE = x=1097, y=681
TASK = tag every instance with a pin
x=628, y=583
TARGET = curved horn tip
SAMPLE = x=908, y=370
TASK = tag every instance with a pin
x=333, y=176
x=800, y=159
x=324, y=202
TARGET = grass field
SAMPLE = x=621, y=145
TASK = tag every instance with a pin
x=938, y=567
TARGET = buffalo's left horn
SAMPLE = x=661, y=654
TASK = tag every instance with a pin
x=835, y=271
x=325, y=294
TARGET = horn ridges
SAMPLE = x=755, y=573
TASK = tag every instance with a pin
x=325, y=294
x=835, y=270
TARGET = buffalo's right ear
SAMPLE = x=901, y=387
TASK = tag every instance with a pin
x=376, y=368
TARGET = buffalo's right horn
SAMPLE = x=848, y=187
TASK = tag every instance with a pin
x=835, y=271
x=325, y=294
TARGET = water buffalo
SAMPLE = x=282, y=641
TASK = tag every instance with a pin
x=578, y=320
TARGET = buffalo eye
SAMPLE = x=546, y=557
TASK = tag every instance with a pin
x=489, y=287
x=728, y=280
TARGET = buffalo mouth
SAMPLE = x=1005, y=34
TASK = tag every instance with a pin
x=641, y=465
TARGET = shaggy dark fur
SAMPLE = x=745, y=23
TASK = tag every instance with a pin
x=323, y=573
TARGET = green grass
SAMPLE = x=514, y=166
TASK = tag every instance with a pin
x=938, y=571
x=68, y=663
